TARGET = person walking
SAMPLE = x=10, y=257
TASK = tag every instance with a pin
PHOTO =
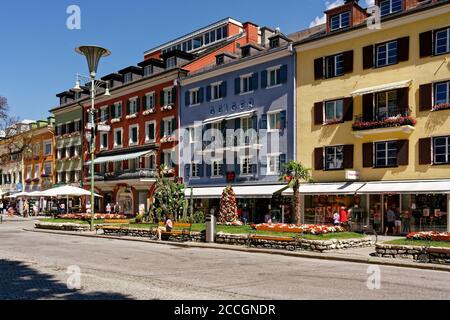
x=108, y=208
x=406, y=221
x=390, y=221
x=344, y=217
x=398, y=222
x=336, y=218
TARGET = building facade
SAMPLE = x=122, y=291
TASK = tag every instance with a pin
x=373, y=120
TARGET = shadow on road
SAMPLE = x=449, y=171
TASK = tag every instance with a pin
x=21, y=282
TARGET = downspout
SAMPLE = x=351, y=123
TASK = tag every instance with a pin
x=294, y=128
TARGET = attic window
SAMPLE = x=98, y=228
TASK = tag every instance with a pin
x=128, y=77
x=340, y=21
x=275, y=43
x=245, y=51
x=220, y=60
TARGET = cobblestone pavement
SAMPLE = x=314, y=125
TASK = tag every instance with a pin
x=34, y=266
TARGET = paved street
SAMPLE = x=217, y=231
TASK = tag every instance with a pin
x=34, y=265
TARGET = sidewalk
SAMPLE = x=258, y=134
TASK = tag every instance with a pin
x=16, y=218
x=356, y=255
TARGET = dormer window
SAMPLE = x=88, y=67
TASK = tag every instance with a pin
x=340, y=21
x=148, y=70
x=274, y=43
x=245, y=52
x=220, y=60
x=390, y=6
x=171, y=62
x=128, y=77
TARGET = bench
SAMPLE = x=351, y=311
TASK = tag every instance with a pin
x=186, y=230
x=255, y=237
x=112, y=225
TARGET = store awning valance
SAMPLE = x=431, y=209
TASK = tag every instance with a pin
x=327, y=188
x=120, y=157
x=406, y=187
x=230, y=117
x=266, y=191
x=381, y=88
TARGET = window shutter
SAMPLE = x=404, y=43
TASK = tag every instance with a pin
x=187, y=98
x=368, y=57
x=237, y=123
x=112, y=113
x=348, y=109
x=201, y=95
x=368, y=107
x=368, y=155
x=162, y=124
x=174, y=95
x=187, y=171
x=161, y=98
x=237, y=86
x=318, y=68
x=254, y=81
x=264, y=79
x=402, y=98
x=254, y=168
x=174, y=124
x=138, y=104
x=426, y=44
x=318, y=159
x=284, y=74
x=426, y=97
x=152, y=131
x=201, y=172
x=161, y=157
x=348, y=61
x=255, y=123
x=403, y=49
x=208, y=170
x=237, y=166
x=128, y=107
x=208, y=93
x=282, y=162
x=223, y=89
x=348, y=156
x=263, y=120
x=318, y=113
x=425, y=152
x=144, y=103
x=283, y=119
x=403, y=152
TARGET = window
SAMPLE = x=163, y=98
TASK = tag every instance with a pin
x=167, y=158
x=103, y=114
x=334, y=111
x=171, y=62
x=390, y=6
x=441, y=93
x=134, y=108
x=387, y=54
x=334, y=66
x=442, y=41
x=340, y=21
x=386, y=154
x=274, y=121
x=246, y=166
x=117, y=110
x=134, y=135
x=219, y=34
x=47, y=147
x=118, y=138
x=118, y=166
x=195, y=134
x=246, y=83
x=206, y=38
x=150, y=129
x=168, y=127
x=198, y=42
x=150, y=162
x=37, y=150
x=150, y=101
x=29, y=170
x=216, y=93
x=48, y=169
x=273, y=77
x=195, y=170
x=148, y=70
x=273, y=164
x=217, y=168
x=128, y=77
x=334, y=158
x=212, y=36
x=36, y=171
x=59, y=130
x=386, y=105
x=441, y=150
x=195, y=97
x=169, y=99
x=104, y=140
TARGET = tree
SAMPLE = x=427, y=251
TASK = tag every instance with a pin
x=294, y=173
x=228, y=207
x=169, y=196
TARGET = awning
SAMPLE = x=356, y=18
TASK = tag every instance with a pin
x=384, y=87
x=230, y=117
x=120, y=157
x=327, y=188
x=406, y=187
x=266, y=191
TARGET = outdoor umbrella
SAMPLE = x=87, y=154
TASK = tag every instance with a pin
x=67, y=191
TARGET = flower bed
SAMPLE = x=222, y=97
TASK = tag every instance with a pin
x=88, y=216
x=234, y=223
x=432, y=236
x=292, y=228
x=387, y=123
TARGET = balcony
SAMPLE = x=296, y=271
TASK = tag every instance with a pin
x=395, y=120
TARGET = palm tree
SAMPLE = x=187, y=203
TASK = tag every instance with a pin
x=294, y=174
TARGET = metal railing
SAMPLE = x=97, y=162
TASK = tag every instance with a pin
x=383, y=115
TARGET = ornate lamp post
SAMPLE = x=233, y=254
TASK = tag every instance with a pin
x=93, y=55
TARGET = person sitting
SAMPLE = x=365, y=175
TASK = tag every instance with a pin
x=268, y=218
x=168, y=227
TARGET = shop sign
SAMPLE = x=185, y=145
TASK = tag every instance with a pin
x=352, y=175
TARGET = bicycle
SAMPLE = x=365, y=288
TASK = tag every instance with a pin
x=370, y=233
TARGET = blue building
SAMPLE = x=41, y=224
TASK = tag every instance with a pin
x=237, y=122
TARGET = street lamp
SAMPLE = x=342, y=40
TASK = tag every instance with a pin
x=93, y=55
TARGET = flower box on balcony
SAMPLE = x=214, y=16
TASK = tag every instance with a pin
x=131, y=116
x=44, y=175
x=36, y=180
x=167, y=139
x=149, y=111
x=28, y=181
x=442, y=106
x=167, y=107
x=387, y=123
x=115, y=120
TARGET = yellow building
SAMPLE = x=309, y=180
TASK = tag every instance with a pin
x=373, y=116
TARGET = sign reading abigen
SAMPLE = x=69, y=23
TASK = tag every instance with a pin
x=352, y=175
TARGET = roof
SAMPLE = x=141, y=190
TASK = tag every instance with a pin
x=131, y=69
x=178, y=53
x=151, y=61
x=112, y=76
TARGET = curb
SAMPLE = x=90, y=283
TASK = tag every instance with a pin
x=305, y=255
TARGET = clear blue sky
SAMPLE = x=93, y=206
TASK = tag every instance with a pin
x=37, y=58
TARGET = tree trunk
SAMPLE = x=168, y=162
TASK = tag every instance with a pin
x=297, y=217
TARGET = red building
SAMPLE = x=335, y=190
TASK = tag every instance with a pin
x=142, y=112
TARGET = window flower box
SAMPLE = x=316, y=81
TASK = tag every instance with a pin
x=131, y=116
x=387, y=123
x=28, y=181
x=36, y=180
x=442, y=106
x=115, y=120
x=149, y=111
x=167, y=107
x=44, y=175
x=167, y=139
x=333, y=121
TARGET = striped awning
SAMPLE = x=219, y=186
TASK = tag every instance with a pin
x=381, y=88
x=120, y=157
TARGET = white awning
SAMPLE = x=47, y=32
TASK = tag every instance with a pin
x=327, y=188
x=266, y=191
x=384, y=87
x=406, y=187
x=120, y=157
x=230, y=117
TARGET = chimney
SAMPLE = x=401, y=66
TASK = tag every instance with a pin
x=251, y=32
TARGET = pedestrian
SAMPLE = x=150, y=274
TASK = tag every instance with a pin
x=168, y=227
x=35, y=210
x=390, y=221
x=344, y=217
x=1, y=207
x=88, y=208
x=116, y=208
x=406, y=221
x=26, y=208
x=336, y=218
x=268, y=218
x=398, y=222
x=108, y=208
x=62, y=208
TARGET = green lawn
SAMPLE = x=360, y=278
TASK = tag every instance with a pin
x=406, y=242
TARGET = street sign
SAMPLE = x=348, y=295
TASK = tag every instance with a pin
x=352, y=175
x=103, y=128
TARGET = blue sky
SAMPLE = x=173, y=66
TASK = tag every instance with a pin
x=37, y=58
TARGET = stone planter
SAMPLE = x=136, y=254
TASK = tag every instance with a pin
x=62, y=226
x=412, y=253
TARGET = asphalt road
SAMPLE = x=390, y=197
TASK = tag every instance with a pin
x=34, y=266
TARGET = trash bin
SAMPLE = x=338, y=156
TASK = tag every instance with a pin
x=210, y=228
